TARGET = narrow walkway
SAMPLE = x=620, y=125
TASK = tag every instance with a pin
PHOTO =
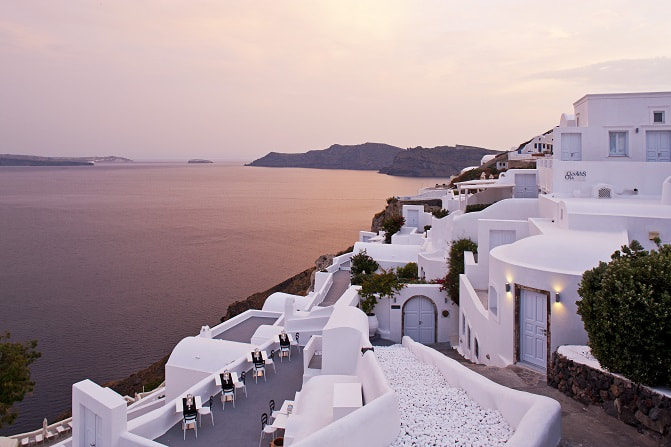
x=241, y=426
x=340, y=284
x=244, y=331
x=581, y=426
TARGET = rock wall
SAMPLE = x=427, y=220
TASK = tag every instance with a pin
x=633, y=404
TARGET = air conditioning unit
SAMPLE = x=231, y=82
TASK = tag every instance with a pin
x=603, y=191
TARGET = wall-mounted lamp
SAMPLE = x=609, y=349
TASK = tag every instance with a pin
x=507, y=287
x=557, y=298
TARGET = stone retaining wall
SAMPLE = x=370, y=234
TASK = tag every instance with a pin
x=633, y=404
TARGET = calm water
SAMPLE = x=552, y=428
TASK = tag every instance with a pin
x=108, y=267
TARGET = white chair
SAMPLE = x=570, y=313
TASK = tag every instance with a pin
x=259, y=370
x=241, y=383
x=190, y=422
x=265, y=428
x=226, y=393
x=204, y=411
x=285, y=351
x=273, y=411
x=271, y=360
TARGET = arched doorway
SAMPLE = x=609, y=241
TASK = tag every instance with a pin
x=419, y=319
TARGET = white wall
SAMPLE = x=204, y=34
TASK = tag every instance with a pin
x=391, y=320
x=535, y=419
x=90, y=398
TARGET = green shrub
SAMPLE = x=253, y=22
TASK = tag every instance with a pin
x=361, y=266
x=440, y=213
x=626, y=309
x=381, y=285
x=427, y=228
x=392, y=225
x=476, y=207
x=455, y=265
x=408, y=272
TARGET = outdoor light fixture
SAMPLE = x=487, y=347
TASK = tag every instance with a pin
x=557, y=298
x=507, y=287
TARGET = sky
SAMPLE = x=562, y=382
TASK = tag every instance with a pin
x=234, y=80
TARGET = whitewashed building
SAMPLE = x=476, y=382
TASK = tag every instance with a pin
x=607, y=183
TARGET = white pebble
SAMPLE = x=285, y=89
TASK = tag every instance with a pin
x=433, y=412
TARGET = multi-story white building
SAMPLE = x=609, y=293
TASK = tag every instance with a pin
x=607, y=182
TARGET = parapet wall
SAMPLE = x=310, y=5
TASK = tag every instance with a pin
x=634, y=404
x=535, y=419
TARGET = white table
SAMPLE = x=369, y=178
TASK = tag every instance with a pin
x=280, y=421
x=179, y=406
x=264, y=356
x=217, y=378
x=346, y=398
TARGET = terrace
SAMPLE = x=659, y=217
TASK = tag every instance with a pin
x=241, y=426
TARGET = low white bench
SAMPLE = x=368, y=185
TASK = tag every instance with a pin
x=346, y=398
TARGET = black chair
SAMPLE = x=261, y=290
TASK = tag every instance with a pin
x=241, y=383
x=271, y=360
x=265, y=428
x=205, y=410
x=271, y=406
x=298, y=339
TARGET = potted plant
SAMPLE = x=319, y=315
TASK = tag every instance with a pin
x=381, y=285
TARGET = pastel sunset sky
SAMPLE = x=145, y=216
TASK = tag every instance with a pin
x=233, y=80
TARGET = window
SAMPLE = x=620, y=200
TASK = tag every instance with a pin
x=493, y=303
x=618, y=144
x=658, y=117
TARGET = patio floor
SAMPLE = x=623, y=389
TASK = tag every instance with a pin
x=244, y=331
x=241, y=426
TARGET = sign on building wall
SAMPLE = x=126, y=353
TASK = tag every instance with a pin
x=576, y=175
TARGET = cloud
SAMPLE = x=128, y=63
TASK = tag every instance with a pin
x=624, y=74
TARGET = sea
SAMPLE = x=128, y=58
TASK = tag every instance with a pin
x=109, y=266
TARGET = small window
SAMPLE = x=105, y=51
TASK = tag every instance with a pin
x=463, y=324
x=535, y=145
x=477, y=349
x=493, y=303
x=658, y=117
x=469, y=338
x=618, y=144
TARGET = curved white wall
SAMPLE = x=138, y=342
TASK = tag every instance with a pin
x=535, y=419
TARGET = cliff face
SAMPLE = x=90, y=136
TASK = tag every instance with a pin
x=34, y=160
x=367, y=156
x=440, y=161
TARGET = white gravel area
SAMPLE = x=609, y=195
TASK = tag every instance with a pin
x=432, y=412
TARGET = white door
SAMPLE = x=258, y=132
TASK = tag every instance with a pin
x=658, y=145
x=525, y=186
x=533, y=328
x=93, y=429
x=500, y=237
x=413, y=218
x=571, y=146
x=419, y=320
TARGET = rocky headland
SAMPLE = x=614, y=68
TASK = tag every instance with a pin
x=440, y=161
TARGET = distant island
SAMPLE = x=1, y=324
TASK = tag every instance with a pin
x=200, y=160
x=439, y=161
x=35, y=160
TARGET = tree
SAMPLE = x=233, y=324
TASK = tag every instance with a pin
x=455, y=266
x=14, y=374
x=381, y=285
x=626, y=309
x=391, y=225
x=361, y=266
